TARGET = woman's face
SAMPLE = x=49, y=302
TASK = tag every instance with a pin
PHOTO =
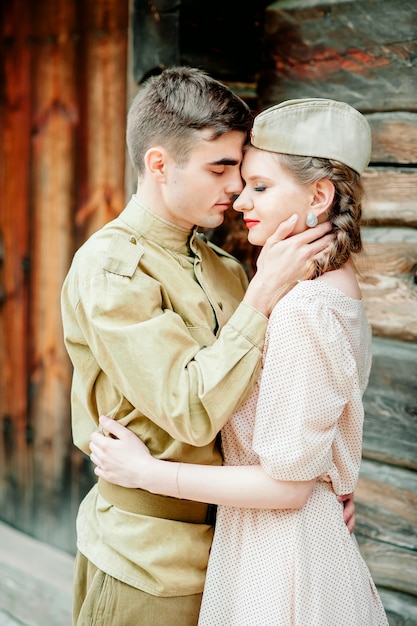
x=270, y=196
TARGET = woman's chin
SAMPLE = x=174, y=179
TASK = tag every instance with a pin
x=254, y=240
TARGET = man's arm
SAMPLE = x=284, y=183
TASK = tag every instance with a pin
x=148, y=355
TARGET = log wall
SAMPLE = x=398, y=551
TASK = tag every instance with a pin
x=62, y=174
x=66, y=73
x=365, y=53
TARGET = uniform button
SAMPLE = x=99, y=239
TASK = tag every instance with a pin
x=133, y=240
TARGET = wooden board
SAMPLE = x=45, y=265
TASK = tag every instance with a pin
x=387, y=278
x=394, y=136
x=390, y=196
x=362, y=52
x=391, y=404
x=63, y=139
x=386, y=528
x=401, y=608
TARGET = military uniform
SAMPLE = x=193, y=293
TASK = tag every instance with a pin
x=159, y=340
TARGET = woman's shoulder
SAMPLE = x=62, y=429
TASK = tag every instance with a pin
x=344, y=279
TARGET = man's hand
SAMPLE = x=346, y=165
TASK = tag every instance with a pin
x=349, y=511
x=283, y=260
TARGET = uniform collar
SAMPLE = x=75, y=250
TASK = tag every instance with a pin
x=147, y=224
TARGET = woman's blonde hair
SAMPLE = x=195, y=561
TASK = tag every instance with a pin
x=345, y=212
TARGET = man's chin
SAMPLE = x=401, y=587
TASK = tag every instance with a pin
x=214, y=221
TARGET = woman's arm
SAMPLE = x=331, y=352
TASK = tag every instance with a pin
x=125, y=460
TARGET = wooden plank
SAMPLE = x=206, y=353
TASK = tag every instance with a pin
x=390, y=566
x=38, y=573
x=391, y=404
x=361, y=52
x=103, y=115
x=15, y=131
x=392, y=248
x=390, y=196
x=394, y=137
x=64, y=62
x=401, y=608
x=387, y=267
x=386, y=512
x=392, y=475
x=53, y=196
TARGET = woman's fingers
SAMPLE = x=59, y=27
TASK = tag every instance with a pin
x=113, y=427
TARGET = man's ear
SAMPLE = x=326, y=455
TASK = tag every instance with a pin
x=155, y=162
x=323, y=196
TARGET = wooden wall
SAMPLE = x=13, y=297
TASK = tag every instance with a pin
x=365, y=53
x=62, y=126
x=64, y=84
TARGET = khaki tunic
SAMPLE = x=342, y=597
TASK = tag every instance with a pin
x=159, y=340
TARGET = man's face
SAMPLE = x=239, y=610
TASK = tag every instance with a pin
x=199, y=193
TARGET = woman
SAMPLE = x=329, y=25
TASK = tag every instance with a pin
x=282, y=554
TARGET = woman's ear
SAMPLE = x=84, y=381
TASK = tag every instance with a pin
x=323, y=196
x=155, y=163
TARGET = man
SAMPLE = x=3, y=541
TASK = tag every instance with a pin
x=164, y=338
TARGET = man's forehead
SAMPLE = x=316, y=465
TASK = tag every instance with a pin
x=226, y=149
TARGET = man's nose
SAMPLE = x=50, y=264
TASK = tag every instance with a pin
x=235, y=184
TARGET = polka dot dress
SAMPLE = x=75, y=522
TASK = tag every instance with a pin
x=303, y=420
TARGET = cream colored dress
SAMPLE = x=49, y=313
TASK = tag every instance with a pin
x=303, y=420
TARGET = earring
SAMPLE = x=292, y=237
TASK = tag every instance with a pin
x=311, y=220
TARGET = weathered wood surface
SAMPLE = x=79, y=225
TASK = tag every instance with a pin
x=15, y=132
x=387, y=267
x=362, y=52
x=394, y=136
x=391, y=405
x=390, y=196
x=63, y=132
x=387, y=505
x=55, y=118
x=103, y=115
x=386, y=494
x=401, y=608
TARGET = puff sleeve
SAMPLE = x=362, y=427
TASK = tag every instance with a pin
x=309, y=381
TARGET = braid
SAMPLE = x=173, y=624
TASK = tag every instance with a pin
x=345, y=213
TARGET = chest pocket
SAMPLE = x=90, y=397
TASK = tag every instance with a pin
x=123, y=255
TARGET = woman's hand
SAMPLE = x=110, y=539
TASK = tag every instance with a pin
x=122, y=458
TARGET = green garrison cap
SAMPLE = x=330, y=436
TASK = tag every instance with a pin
x=315, y=127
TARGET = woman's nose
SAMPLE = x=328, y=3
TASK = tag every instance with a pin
x=241, y=203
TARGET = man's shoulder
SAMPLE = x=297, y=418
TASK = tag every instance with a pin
x=113, y=248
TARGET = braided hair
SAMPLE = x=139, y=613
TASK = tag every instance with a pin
x=345, y=212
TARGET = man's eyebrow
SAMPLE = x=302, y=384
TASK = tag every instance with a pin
x=225, y=161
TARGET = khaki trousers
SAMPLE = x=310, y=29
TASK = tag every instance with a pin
x=101, y=600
